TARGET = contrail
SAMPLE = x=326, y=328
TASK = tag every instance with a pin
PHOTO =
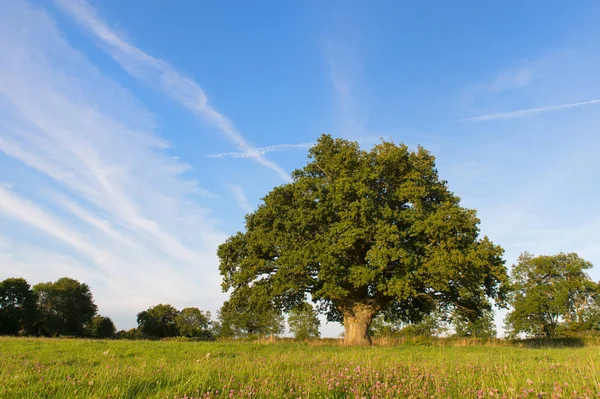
x=262, y=150
x=526, y=112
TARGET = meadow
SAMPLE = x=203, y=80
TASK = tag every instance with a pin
x=71, y=368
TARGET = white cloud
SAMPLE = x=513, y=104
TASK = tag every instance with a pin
x=115, y=207
x=159, y=73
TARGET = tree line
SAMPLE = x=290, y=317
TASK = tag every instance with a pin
x=549, y=296
x=66, y=308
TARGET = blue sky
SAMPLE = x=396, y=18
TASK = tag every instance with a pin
x=135, y=135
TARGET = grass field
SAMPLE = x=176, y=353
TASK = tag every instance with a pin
x=63, y=368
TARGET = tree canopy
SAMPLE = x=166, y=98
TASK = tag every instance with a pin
x=482, y=327
x=194, y=323
x=364, y=232
x=18, y=309
x=239, y=318
x=65, y=307
x=158, y=321
x=303, y=322
x=102, y=327
x=552, y=294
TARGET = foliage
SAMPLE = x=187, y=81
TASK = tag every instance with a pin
x=102, y=327
x=194, y=323
x=364, y=232
x=132, y=333
x=17, y=307
x=552, y=294
x=480, y=327
x=429, y=326
x=65, y=307
x=66, y=368
x=158, y=321
x=303, y=322
x=380, y=327
x=238, y=319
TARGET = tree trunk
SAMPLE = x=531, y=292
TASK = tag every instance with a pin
x=357, y=320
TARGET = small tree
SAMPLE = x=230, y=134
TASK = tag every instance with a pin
x=479, y=327
x=364, y=232
x=303, y=322
x=551, y=293
x=384, y=328
x=132, y=333
x=158, y=321
x=17, y=307
x=65, y=307
x=241, y=319
x=429, y=326
x=102, y=327
x=194, y=323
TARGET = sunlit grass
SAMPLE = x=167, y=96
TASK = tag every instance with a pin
x=62, y=368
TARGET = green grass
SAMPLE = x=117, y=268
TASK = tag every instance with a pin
x=65, y=368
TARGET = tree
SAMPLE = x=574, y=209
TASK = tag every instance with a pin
x=429, y=326
x=65, y=307
x=17, y=307
x=303, y=322
x=482, y=327
x=551, y=293
x=194, y=323
x=380, y=327
x=102, y=327
x=158, y=321
x=132, y=333
x=239, y=319
x=364, y=232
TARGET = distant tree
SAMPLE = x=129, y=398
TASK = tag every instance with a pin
x=551, y=293
x=132, y=333
x=364, y=232
x=194, y=323
x=384, y=328
x=478, y=327
x=102, y=327
x=65, y=307
x=17, y=307
x=430, y=325
x=158, y=321
x=303, y=322
x=238, y=319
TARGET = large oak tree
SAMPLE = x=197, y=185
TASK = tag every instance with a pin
x=364, y=232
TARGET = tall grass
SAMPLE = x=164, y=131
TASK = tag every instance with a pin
x=65, y=368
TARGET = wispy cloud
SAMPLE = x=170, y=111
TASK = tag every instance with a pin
x=240, y=198
x=161, y=74
x=262, y=151
x=107, y=199
x=511, y=80
x=344, y=72
x=27, y=212
x=528, y=112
